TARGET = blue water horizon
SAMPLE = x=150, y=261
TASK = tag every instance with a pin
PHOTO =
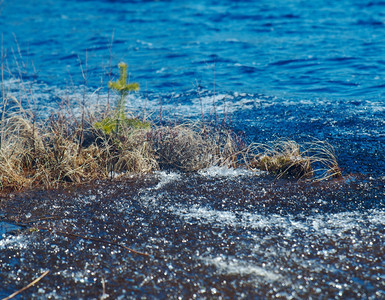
x=296, y=49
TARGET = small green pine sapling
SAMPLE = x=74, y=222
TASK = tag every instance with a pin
x=110, y=125
x=123, y=88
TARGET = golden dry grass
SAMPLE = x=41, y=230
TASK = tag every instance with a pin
x=64, y=149
x=45, y=155
x=313, y=161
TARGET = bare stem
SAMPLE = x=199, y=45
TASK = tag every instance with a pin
x=4, y=101
x=110, y=69
x=27, y=286
x=85, y=78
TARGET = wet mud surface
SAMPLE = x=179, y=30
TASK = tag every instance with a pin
x=216, y=234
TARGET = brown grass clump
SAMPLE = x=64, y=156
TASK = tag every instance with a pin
x=130, y=151
x=62, y=150
x=324, y=159
x=45, y=155
x=285, y=158
x=191, y=147
x=182, y=147
x=65, y=150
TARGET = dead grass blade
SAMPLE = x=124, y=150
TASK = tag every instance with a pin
x=27, y=286
x=324, y=159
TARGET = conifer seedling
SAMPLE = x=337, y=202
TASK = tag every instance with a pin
x=123, y=88
x=112, y=124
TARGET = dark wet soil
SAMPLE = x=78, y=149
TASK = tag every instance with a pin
x=198, y=237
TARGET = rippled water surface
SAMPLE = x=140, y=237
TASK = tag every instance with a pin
x=272, y=69
x=302, y=48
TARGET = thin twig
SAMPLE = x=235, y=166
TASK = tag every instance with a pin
x=201, y=104
x=110, y=69
x=214, y=104
x=85, y=78
x=4, y=101
x=27, y=286
x=105, y=295
x=44, y=219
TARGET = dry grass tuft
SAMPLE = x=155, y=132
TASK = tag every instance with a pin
x=45, y=154
x=64, y=150
x=190, y=147
x=324, y=160
x=61, y=150
x=284, y=158
x=182, y=147
x=130, y=151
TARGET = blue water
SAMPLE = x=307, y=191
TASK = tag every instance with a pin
x=301, y=49
x=272, y=69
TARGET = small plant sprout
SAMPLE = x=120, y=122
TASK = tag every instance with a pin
x=123, y=88
x=113, y=124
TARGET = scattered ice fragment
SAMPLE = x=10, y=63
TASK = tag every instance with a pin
x=166, y=178
x=216, y=171
x=236, y=266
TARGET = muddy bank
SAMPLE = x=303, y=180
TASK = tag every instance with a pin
x=218, y=233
